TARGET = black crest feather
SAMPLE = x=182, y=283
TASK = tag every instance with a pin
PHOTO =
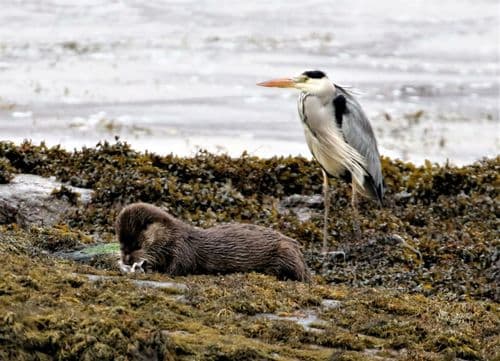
x=314, y=74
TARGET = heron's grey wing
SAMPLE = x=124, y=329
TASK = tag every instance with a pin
x=358, y=133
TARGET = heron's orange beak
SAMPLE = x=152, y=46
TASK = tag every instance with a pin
x=279, y=83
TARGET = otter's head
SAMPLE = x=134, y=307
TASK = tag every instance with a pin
x=131, y=253
x=139, y=249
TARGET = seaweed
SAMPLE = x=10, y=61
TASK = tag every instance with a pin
x=6, y=171
x=66, y=193
x=421, y=283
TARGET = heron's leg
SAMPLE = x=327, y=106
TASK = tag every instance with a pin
x=355, y=213
x=326, y=200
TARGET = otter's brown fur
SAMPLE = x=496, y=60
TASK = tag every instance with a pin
x=174, y=247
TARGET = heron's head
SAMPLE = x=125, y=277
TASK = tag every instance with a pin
x=311, y=81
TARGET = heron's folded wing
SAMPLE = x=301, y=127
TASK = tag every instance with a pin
x=358, y=133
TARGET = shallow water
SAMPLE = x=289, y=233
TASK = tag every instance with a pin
x=176, y=76
x=140, y=283
x=307, y=318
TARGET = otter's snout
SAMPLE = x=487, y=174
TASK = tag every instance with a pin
x=129, y=258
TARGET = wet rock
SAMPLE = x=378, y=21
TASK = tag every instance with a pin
x=402, y=195
x=329, y=304
x=302, y=201
x=181, y=287
x=308, y=319
x=301, y=205
x=32, y=200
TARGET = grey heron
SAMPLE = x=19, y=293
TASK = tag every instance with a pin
x=338, y=135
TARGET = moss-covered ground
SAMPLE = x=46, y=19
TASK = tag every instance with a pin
x=421, y=283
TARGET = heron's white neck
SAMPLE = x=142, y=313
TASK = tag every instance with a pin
x=322, y=88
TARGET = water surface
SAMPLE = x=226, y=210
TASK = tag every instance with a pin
x=176, y=76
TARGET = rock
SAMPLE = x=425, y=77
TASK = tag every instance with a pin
x=302, y=206
x=329, y=304
x=402, y=195
x=308, y=319
x=28, y=200
x=298, y=200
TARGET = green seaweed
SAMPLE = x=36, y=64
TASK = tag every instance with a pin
x=105, y=248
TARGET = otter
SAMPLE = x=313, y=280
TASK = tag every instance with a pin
x=153, y=240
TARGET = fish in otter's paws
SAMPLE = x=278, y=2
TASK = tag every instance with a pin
x=135, y=268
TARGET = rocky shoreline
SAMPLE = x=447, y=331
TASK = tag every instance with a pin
x=420, y=284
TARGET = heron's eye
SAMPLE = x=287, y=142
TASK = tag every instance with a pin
x=300, y=78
